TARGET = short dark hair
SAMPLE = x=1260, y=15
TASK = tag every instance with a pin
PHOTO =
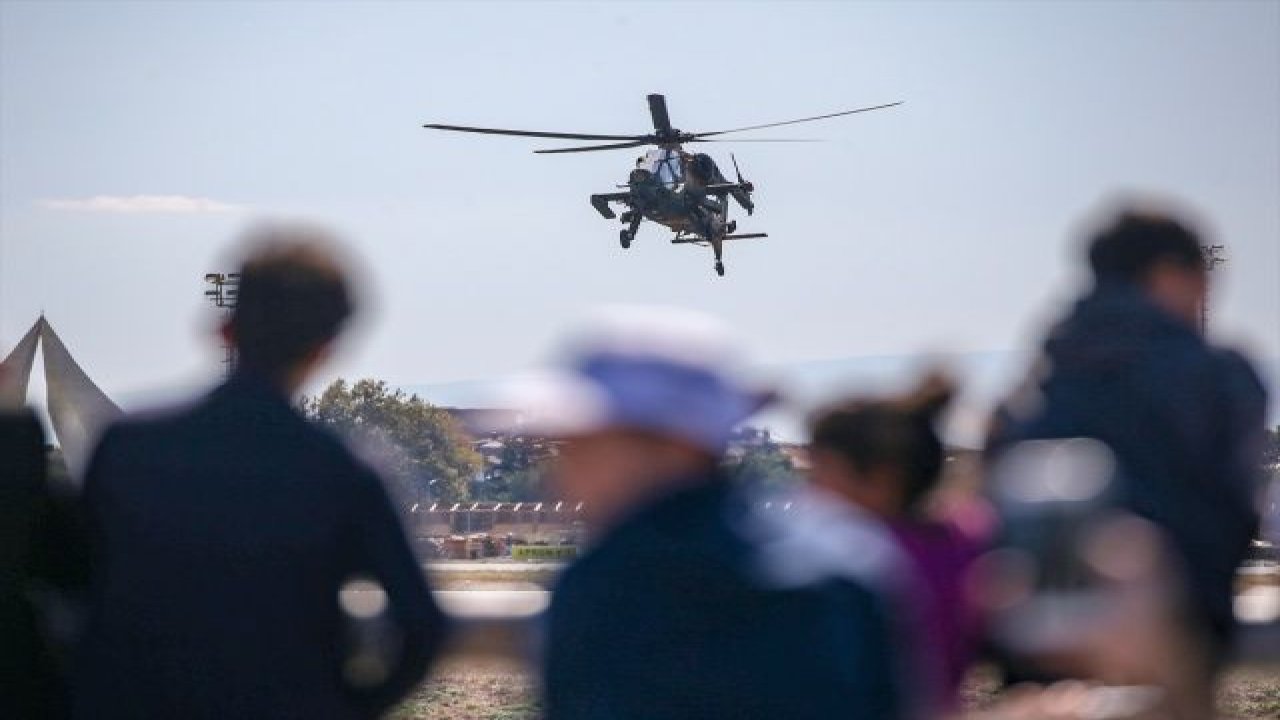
x=897, y=433
x=293, y=298
x=1136, y=241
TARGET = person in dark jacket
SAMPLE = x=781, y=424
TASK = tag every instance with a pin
x=32, y=564
x=690, y=603
x=1128, y=366
x=224, y=534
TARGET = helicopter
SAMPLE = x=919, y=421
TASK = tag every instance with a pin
x=686, y=192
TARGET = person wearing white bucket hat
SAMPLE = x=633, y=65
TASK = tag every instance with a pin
x=654, y=392
x=667, y=614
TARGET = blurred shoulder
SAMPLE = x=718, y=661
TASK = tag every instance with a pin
x=21, y=446
x=1238, y=369
x=141, y=425
x=1244, y=391
x=20, y=425
x=677, y=545
x=1213, y=371
x=808, y=538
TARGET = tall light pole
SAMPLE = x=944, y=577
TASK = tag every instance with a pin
x=224, y=293
x=1213, y=257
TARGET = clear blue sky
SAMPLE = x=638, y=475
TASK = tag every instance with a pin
x=947, y=223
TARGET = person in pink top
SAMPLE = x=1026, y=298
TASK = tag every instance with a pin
x=884, y=456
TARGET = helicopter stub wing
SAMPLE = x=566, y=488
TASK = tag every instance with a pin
x=601, y=203
x=727, y=188
x=740, y=191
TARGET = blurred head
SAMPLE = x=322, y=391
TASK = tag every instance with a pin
x=882, y=454
x=644, y=400
x=294, y=299
x=1157, y=253
x=613, y=470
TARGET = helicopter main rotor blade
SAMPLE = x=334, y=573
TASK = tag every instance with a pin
x=757, y=140
x=793, y=122
x=592, y=148
x=658, y=111
x=531, y=133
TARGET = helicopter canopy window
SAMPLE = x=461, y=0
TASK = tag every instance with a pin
x=665, y=165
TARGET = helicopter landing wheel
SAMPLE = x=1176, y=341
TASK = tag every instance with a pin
x=719, y=268
x=625, y=237
x=730, y=228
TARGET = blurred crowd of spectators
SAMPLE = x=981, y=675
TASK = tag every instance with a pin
x=228, y=559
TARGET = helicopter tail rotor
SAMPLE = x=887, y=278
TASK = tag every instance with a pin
x=737, y=171
x=743, y=196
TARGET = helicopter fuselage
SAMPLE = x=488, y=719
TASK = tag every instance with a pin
x=685, y=209
x=684, y=192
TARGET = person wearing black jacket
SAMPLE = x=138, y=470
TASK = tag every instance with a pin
x=1128, y=366
x=692, y=601
x=33, y=525
x=224, y=532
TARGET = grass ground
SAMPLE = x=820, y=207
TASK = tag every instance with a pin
x=535, y=577
x=1245, y=693
x=493, y=690
x=473, y=690
x=1251, y=693
x=498, y=690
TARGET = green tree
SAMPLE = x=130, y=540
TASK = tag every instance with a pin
x=421, y=448
x=515, y=468
x=755, y=457
x=1271, y=448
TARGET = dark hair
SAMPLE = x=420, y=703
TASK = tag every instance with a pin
x=293, y=299
x=1135, y=241
x=890, y=432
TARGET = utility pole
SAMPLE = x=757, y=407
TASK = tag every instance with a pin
x=1213, y=257
x=224, y=293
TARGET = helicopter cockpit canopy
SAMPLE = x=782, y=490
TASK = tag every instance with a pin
x=665, y=165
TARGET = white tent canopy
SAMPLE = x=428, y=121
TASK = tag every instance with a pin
x=78, y=409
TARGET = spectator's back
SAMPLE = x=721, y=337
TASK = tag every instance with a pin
x=224, y=532
x=676, y=615
x=31, y=683
x=1127, y=367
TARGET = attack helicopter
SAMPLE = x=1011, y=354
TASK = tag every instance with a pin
x=683, y=191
